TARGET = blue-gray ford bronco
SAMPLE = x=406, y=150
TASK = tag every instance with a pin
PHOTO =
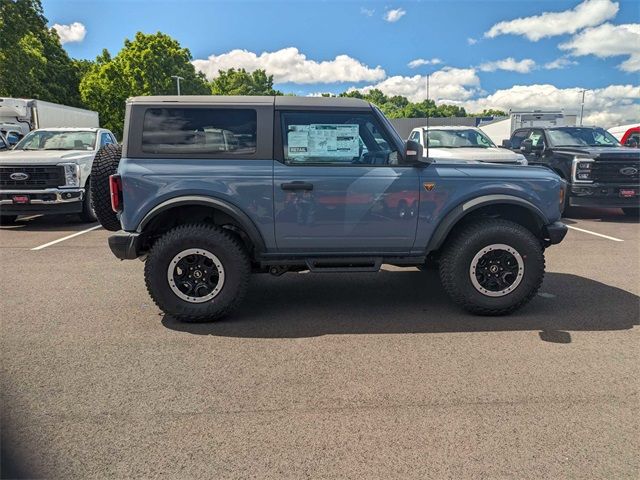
x=209, y=189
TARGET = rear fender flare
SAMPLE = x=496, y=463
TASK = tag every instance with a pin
x=233, y=211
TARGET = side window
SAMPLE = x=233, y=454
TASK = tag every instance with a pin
x=415, y=136
x=338, y=139
x=105, y=139
x=199, y=131
x=537, y=138
x=518, y=137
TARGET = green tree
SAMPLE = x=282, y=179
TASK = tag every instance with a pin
x=33, y=64
x=400, y=107
x=492, y=112
x=143, y=67
x=241, y=82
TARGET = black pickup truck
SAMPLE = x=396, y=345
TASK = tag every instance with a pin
x=599, y=170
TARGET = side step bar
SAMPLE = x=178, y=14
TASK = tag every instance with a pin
x=334, y=265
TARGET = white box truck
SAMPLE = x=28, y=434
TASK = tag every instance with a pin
x=18, y=116
x=501, y=129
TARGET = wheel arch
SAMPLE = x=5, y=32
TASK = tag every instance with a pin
x=509, y=207
x=180, y=210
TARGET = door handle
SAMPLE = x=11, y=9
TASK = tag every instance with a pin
x=297, y=186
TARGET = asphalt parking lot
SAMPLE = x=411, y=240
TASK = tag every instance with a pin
x=318, y=375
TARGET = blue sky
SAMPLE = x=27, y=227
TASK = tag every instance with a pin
x=480, y=62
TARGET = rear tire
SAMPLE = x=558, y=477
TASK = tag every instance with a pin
x=631, y=212
x=104, y=165
x=510, y=251
x=180, y=290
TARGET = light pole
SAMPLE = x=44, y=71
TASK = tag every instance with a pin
x=582, y=107
x=178, y=78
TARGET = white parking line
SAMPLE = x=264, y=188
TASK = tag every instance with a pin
x=595, y=233
x=66, y=238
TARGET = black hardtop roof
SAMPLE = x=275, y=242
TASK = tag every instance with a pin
x=286, y=101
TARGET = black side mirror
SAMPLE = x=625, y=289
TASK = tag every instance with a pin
x=413, y=153
x=526, y=146
x=506, y=144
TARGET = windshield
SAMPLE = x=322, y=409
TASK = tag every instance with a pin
x=469, y=138
x=581, y=137
x=58, y=140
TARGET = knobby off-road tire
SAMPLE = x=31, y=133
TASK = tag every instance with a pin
x=466, y=251
x=104, y=165
x=88, y=213
x=203, y=243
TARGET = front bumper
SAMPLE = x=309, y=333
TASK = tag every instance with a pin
x=603, y=195
x=554, y=233
x=125, y=245
x=45, y=201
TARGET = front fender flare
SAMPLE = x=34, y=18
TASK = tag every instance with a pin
x=455, y=215
x=233, y=211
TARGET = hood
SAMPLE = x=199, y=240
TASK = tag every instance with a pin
x=44, y=157
x=603, y=153
x=495, y=155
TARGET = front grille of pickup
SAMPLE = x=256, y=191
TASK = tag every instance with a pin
x=49, y=176
x=608, y=171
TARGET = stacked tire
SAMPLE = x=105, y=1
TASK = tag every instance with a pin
x=104, y=165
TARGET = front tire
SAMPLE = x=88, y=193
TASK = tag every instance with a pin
x=197, y=273
x=492, y=267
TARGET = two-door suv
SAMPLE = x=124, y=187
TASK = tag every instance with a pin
x=209, y=189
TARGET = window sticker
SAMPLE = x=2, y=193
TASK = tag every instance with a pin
x=323, y=140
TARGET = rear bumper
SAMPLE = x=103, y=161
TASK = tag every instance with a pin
x=554, y=233
x=125, y=245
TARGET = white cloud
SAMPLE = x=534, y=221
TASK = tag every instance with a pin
x=289, y=65
x=394, y=15
x=74, y=32
x=559, y=64
x=446, y=85
x=418, y=62
x=608, y=106
x=367, y=11
x=471, y=41
x=548, y=24
x=608, y=40
x=510, y=65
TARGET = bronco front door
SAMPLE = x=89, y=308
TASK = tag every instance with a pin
x=338, y=188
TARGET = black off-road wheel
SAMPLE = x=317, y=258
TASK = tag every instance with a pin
x=88, y=213
x=197, y=273
x=492, y=267
x=104, y=165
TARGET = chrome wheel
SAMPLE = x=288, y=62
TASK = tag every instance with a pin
x=496, y=270
x=195, y=275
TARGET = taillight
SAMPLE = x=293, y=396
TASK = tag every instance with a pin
x=115, y=187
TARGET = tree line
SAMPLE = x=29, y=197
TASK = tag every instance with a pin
x=33, y=64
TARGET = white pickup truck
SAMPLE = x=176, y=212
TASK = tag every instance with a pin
x=48, y=172
x=462, y=144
